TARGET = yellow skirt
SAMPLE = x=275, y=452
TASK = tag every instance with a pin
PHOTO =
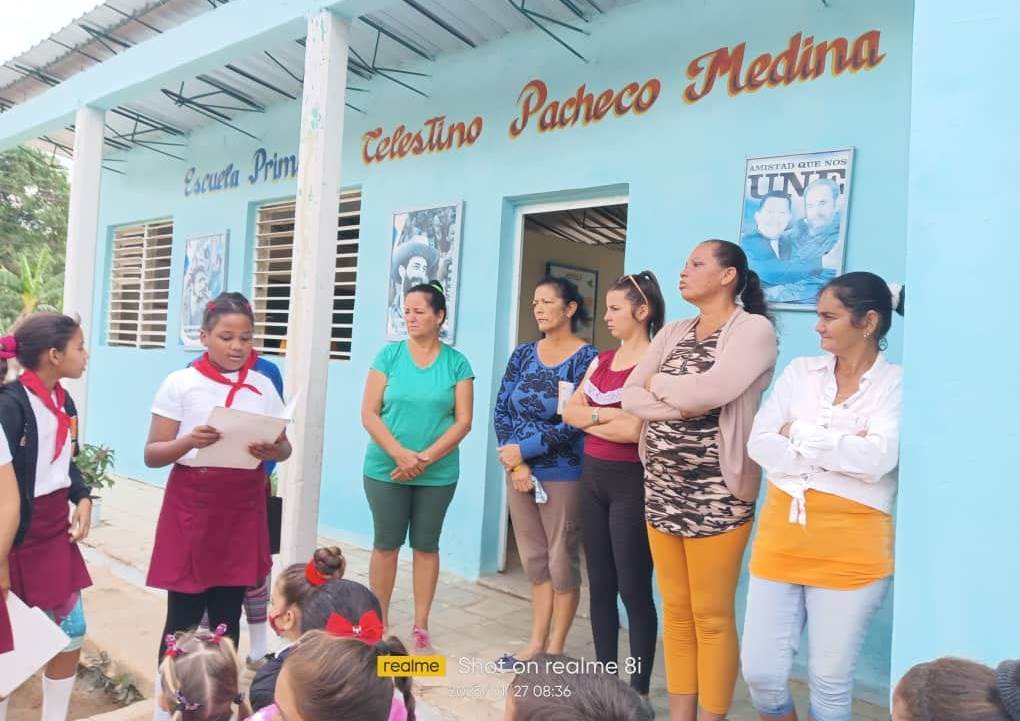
x=844, y=545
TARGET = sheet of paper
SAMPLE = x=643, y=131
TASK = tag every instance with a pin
x=239, y=430
x=36, y=640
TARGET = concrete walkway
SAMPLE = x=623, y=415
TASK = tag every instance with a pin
x=471, y=624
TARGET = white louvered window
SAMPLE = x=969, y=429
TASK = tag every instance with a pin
x=274, y=252
x=140, y=285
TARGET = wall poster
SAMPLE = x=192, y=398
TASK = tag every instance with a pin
x=205, y=277
x=425, y=247
x=793, y=223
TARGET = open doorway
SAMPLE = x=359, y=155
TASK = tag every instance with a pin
x=584, y=241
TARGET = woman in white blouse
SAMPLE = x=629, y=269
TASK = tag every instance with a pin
x=828, y=439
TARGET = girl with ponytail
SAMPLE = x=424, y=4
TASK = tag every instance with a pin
x=332, y=674
x=697, y=389
x=612, y=489
x=39, y=557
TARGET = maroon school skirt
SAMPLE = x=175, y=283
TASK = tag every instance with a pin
x=212, y=530
x=6, y=635
x=47, y=569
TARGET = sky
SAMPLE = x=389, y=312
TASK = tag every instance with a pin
x=24, y=24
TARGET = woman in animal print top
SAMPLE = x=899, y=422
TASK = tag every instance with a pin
x=697, y=388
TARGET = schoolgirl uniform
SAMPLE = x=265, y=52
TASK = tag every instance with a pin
x=212, y=537
x=39, y=440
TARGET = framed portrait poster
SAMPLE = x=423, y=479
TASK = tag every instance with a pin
x=205, y=277
x=425, y=246
x=793, y=223
x=587, y=282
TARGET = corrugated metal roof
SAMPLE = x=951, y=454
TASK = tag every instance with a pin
x=600, y=225
x=404, y=33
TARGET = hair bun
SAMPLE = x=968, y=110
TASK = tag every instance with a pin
x=897, y=293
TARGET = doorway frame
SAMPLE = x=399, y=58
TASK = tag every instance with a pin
x=520, y=211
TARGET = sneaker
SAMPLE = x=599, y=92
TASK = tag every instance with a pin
x=647, y=710
x=422, y=642
x=508, y=663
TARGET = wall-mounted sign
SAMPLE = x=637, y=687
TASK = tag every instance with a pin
x=264, y=168
x=584, y=105
x=435, y=137
x=801, y=60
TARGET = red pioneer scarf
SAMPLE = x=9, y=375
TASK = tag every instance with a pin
x=33, y=383
x=204, y=366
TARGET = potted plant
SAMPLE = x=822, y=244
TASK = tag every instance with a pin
x=95, y=462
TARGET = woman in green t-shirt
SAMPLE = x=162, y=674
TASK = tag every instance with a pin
x=417, y=409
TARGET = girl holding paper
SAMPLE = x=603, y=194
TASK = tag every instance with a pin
x=44, y=567
x=197, y=556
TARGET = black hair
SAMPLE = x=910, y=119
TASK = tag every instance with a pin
x=433, y=291
x=777, y=194
x=643, y=289
x=351, y=600
x=348, y=598
x=568, y=293
x=861, y=292
x=226, y=304
x=36, y=335
x=599, y=696
x=748, y=285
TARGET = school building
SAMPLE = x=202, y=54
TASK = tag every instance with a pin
x=267, y=146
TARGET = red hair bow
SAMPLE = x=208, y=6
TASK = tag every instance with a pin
x=313, y=575
x=369, y=627
x=8, y=347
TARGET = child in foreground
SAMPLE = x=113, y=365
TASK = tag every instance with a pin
x=200, y=677
x=290, y=616
x=545, y=691
x=952, y=689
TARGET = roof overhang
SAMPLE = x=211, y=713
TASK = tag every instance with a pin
x=201, y=44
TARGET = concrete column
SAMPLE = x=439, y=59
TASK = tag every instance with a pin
x=956, y=539
x=312, y=277
x=82, y=234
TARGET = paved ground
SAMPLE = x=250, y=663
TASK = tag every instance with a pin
x=472, y=623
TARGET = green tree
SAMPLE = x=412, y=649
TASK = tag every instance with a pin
x=34, y=194
x=34, y=286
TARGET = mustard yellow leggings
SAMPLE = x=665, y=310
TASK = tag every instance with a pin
x=697, y=580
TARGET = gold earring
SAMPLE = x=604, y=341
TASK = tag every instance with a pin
x=867, y=334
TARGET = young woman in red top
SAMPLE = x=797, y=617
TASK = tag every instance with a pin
x=612, y=496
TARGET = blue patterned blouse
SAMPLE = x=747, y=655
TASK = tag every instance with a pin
x=526, y=412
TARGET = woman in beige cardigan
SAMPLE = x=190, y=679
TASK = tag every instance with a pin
x=697, y=389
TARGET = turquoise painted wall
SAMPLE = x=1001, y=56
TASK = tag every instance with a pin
x=956, y=540
x=681, y=163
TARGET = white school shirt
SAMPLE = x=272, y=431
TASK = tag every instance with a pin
x=824, y=451
x=50, y=475
x=188, y=397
